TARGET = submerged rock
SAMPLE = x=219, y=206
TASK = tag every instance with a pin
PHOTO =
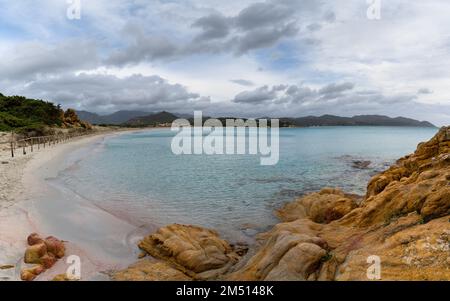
x=361, y=164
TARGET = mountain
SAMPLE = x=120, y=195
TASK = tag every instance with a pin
x=140, y=118
x=152, y=119
x=360, y=120
x=116, y=118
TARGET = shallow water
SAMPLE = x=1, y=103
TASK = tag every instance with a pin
x=136, y=176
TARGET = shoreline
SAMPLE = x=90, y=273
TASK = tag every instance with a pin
x=30, y=203
x=48, y=209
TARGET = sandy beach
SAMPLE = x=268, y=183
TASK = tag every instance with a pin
x=28, y=203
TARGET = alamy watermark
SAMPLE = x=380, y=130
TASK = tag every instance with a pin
x=374, y=9
x=238, y=137
x=74, y=9
x=374, y=270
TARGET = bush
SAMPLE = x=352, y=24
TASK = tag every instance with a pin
x=32, y=115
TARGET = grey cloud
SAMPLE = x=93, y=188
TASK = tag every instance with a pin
x=263, y=14
x=264, y=37
x=242, y=82
x=259, y=25
x=291, y=95
x=148, y=48
x=336, y=88
x=111, y=93
x=314, y=27
x=257, y=96
x=330, y=17
x=29, y=60
x=424, y=91
x=214, y=26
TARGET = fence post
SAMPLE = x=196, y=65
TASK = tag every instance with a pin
x=12, y=144
x=31, y=142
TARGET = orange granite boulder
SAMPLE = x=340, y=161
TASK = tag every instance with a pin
x=43, y=252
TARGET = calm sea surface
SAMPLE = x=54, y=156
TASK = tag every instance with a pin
x=137, y=177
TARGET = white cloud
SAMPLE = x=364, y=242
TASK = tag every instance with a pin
x=328, y=55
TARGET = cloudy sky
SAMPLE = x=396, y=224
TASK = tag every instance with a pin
x=245, y=58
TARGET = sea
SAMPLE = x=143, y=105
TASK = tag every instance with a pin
x=136, y=177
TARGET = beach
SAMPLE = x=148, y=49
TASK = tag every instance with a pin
x=324, y=235
x=29, y=204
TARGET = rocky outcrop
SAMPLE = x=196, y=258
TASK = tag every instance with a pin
x=322, y=207
x=183, y=252
x=404, y=220
x=291, y=251
x=43, y=253
x=150, y=270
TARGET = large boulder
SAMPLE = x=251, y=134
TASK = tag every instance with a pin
x=291, y=251
x=322, y=207
x=196, y=251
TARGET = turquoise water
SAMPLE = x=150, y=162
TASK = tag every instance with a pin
x=136, y=176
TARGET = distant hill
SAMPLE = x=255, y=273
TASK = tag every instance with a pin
x=152, y=119
x=360, y=120
x=116, y=118
x=140, y=118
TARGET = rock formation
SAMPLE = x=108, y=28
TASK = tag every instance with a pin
x=43, y=253
x=404, y=221
x=183, y=252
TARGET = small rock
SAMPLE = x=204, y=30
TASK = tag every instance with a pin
x=6, y=267
x=361, y=164
x=27, y=275
x=63, y=277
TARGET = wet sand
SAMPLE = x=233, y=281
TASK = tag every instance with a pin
x=31, y=202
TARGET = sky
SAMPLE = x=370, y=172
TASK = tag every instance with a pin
x=274, y=58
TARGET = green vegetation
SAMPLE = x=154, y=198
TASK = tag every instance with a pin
x=25, y=115
x=327, y=257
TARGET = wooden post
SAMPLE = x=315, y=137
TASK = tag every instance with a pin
x=31, y=142
x=12, y=144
